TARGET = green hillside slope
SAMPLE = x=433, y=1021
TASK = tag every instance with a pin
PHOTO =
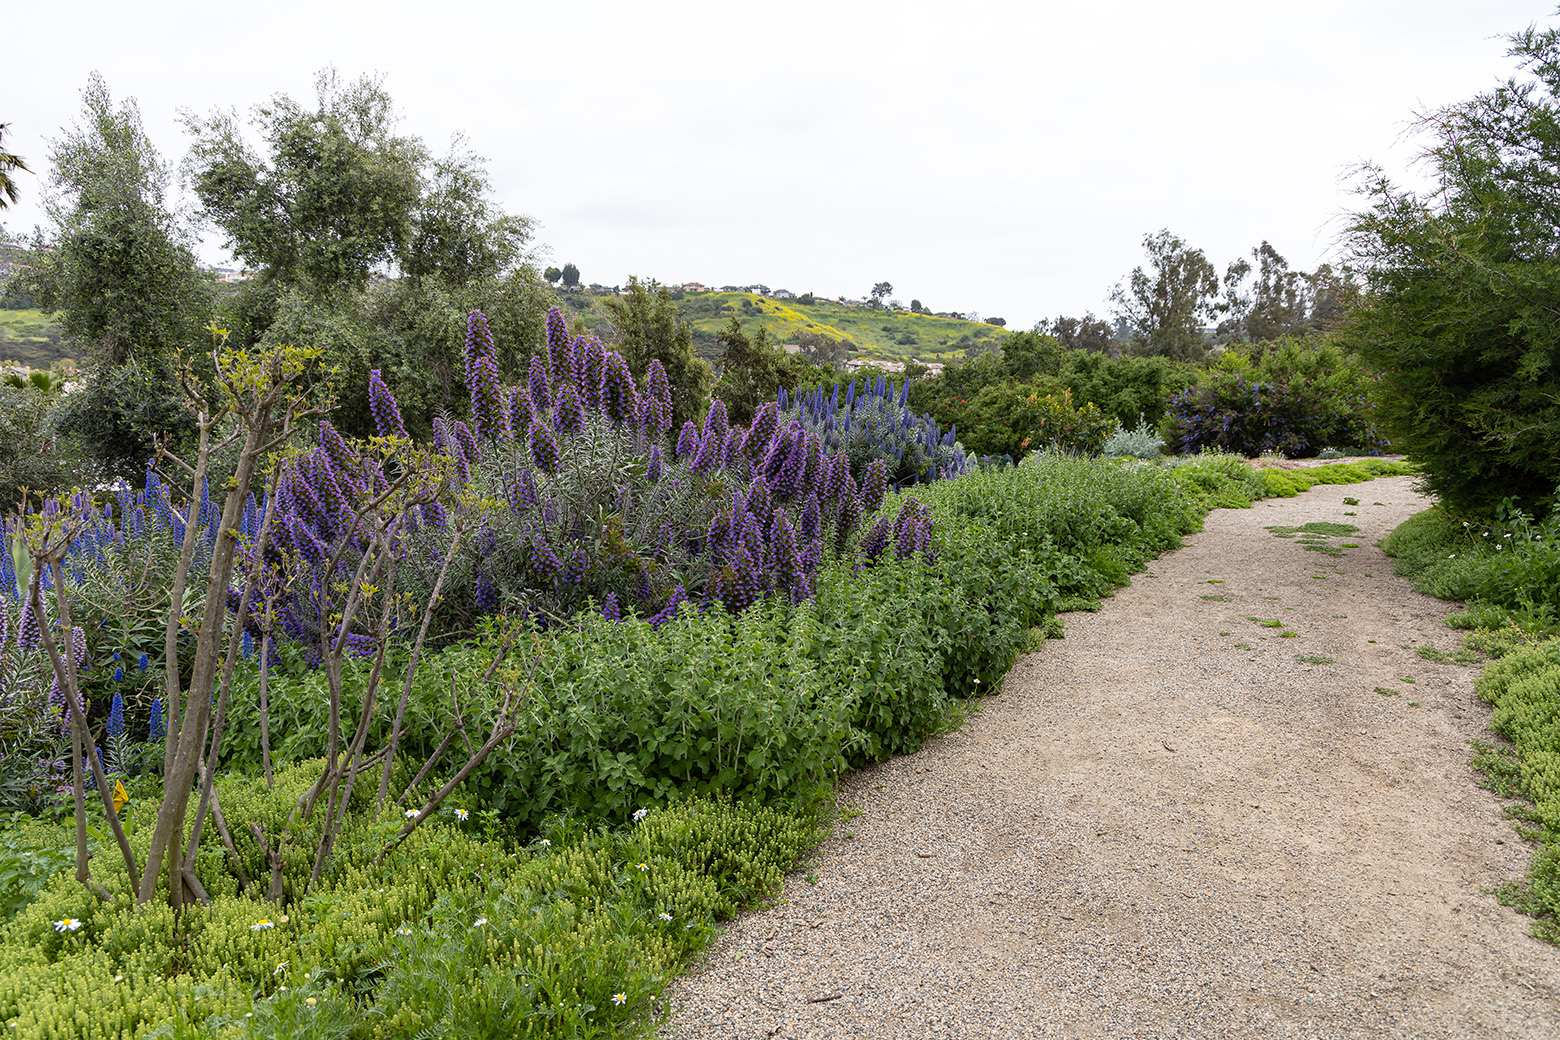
x=876, y=332
x=31, y=338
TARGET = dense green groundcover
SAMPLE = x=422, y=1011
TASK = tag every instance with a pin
x=542, y=902
x=1507, y=572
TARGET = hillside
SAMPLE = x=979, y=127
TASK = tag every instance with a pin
x=879, y=333
x=31, y=338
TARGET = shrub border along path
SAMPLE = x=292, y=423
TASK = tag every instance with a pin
x=1175, y=822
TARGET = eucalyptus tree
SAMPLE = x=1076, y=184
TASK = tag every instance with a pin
x=1166, y=307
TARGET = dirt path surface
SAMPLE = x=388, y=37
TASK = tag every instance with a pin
x=1168, y=825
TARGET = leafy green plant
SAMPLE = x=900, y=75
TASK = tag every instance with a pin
x=1140, y=442
x=1055, y=423
x=1296, y=398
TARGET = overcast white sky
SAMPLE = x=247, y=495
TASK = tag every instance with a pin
x=1005, y=158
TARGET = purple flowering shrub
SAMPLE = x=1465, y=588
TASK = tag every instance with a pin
x=586, y=498
x=119, y=573
x=1296, y=398
x=876, y=424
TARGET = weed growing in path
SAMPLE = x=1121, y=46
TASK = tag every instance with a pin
x=1313, y=659
x=1314, y=535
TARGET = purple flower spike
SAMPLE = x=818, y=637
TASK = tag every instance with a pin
x=707, y=460
x=541, y=392
x=620, y=398
x=658, y=397
x=557, y=339
x=760, y=505
x=733, y=449
x=387, y=414
x=811, y=520
x=488, y=407
x=715, y=424
x=687, y=442
x=761, y=432
x=653, y=464
x=849, y=514
x=577, y=351
x=28, y=634
x=526, y=492
x=679, y=594
x=610, y=609
x=544, y=449
x=595, y=358
x=569, y=411
x=519, y=409
x=544, y=561
x=874, y=485
x=342, y=458
x=876, y=539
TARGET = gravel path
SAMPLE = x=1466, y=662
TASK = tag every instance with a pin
x=1167, y=825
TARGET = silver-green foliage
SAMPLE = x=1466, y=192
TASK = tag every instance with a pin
x=1143, y=442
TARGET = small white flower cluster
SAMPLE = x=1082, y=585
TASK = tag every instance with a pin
x=69, y=924
x=640, y=814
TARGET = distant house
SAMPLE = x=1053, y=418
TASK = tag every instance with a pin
x=695, y=287
x=730, y=288
x=784, y=294
x=888, y=366
x=791, y=348
x=758, y=290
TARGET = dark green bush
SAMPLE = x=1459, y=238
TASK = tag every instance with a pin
x=1295, y=398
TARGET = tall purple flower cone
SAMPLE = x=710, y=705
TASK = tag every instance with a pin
x=569, y=411
x=539, y=383
x=620, y=398
x=544, y=449
x=28, y=634
x=558, y=342
x=874, y=485
x=687, y=442
x=715, y=424
x=489, y=409
x=658, y=397
x=387, y=414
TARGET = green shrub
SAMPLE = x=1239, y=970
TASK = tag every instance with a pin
x=453, y=934
x=1297, y=397
x=1140, y=442
x=1524, y=688
x=1054, y=423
